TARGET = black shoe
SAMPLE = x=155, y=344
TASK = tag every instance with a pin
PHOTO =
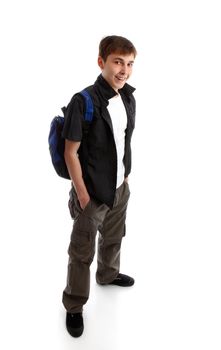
x=123, y=281
x=74, y=324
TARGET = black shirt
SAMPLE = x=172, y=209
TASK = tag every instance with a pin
x=97, y=152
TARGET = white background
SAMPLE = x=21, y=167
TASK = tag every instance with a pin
x=172, y=248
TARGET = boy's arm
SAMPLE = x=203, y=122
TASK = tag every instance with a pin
x=75, y=171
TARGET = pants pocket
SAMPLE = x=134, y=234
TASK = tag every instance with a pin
x=82, y=246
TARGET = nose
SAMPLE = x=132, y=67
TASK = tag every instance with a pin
x=124, y=69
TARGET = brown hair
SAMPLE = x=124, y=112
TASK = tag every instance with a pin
x=115, y=44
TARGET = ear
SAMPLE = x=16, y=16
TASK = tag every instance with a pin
x=100, y=62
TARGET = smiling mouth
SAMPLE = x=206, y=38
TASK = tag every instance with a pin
x=121, y=78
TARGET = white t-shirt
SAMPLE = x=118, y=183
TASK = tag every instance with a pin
x=119, y=121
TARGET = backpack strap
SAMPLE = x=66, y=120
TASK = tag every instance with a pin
x=89, y=108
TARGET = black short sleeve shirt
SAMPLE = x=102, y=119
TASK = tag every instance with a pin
x=97, y=152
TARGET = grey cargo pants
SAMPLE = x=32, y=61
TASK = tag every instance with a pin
x=111, y=226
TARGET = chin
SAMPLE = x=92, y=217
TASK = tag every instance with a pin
x=121, y=86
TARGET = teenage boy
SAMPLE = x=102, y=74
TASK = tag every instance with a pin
x=99, y=162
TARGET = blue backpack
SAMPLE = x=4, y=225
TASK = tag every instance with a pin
x=57, y=142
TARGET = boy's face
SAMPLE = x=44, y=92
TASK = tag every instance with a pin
x=116, y=69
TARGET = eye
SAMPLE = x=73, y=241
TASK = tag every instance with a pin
x=118, y=62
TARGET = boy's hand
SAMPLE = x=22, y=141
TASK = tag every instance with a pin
x=84, y=200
